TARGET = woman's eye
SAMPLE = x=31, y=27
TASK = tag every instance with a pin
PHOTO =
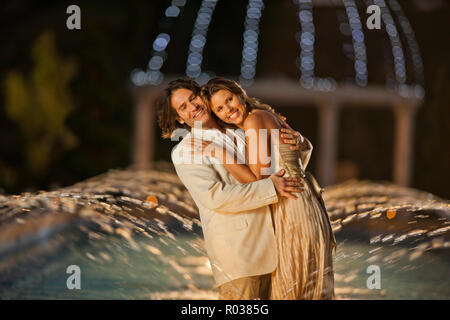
x=229, y=99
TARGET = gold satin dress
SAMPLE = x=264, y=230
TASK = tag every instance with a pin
x=305, y=240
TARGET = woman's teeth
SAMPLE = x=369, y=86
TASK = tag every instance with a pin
x=234, y=115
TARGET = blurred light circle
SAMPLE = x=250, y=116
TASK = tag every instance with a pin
x=360, y=66
x=138, y=77
x=352, y=12
x=249, y=62
x=419, y=91
x=354, y=21
x=247, y=69
x=250, y=33
x=397, y=51
x=172, y=11
x=156, y=63
x=249, y=51
x=251, y=23
x=307, y=59
x=246, y=82
x=254, y=13
x=204, y=18
x=249, y=57
x=195, y=58
x=164, y=36
x=307, y=82
x=154, y=77
x=161, y=42
x=250, y=38
x=307, y=38
x=203, y=78
x=256, y=4
x=306, y=47
x=179, y=3
x=305, y=15
x=198, y=28
x=249, y=74
x=198, y=41
x=193, y=71
x=308, y=66
x=253, y=45
x=358, y=35
x=390, y=29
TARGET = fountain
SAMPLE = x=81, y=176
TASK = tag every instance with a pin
x=135, y=234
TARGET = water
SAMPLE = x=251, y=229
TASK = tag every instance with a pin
x=111, y=268
x=127, y=247
x=424, y=277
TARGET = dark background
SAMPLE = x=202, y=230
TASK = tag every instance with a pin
x=95, y=133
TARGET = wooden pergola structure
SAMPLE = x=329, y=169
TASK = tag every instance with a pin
x=289, y=92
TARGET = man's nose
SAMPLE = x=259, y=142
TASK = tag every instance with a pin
x=193, y=106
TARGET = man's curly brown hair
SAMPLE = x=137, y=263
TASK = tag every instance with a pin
x=166, y=114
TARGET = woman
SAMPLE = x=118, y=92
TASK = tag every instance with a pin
x=304, y=236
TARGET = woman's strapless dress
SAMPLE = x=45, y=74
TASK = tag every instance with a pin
x=304, y=236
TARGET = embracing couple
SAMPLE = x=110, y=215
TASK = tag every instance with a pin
x=266, y=229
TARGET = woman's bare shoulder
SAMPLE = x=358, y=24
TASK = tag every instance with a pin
x=260, y=119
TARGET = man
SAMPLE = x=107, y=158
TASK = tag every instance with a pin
x=236, y=218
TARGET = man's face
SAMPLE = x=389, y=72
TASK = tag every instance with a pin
x=190, y=108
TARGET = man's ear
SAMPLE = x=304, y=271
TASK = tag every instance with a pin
x=180, y=120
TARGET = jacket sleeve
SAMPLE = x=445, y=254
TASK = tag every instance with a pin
x=207, y=189
x=306, y=154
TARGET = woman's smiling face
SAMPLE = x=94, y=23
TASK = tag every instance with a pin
x=228, y=107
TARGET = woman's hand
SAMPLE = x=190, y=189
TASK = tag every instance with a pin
x=208, y=148
x=294, y=138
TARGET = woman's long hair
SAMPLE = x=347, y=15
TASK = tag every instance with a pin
x=217, y=84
